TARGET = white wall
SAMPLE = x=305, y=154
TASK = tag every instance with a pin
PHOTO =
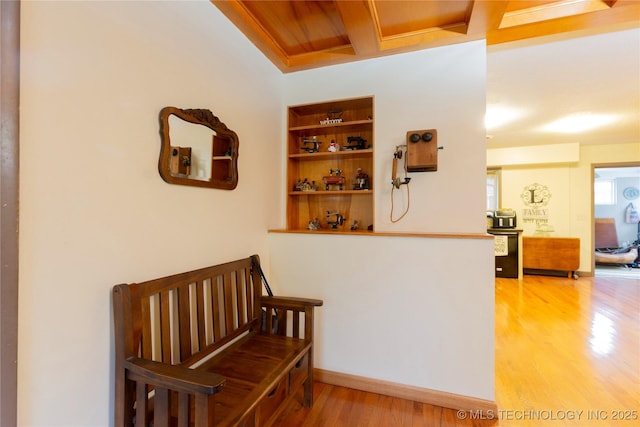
x=441, y=88
x=93, y=209
x=414, y=311
x=409, y=310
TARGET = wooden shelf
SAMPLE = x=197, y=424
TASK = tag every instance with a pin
x=352, y=205
x=320, y=127
x=328, y=154
x=358, y=232
x=332, y=193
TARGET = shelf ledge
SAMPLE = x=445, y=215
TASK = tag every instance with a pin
x=330, y=154
x=330, y=125
x=482, y=236
x=330, y=193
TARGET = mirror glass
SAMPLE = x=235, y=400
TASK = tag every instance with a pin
x=197, y=149
x=199, y=139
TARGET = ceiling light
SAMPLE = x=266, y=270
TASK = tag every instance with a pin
x=579, y=122
x=497, y=116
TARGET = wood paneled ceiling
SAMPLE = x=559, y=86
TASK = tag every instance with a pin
x=297, y=34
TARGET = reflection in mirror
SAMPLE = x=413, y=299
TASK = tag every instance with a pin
x=197, y=149
x=194, y=161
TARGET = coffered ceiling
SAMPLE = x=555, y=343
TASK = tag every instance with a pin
x=547, y=61
x=297, y=35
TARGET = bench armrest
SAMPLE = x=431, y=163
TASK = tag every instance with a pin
x=174, y=377
x=290, y=303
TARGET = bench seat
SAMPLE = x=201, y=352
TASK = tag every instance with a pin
x=258, y=371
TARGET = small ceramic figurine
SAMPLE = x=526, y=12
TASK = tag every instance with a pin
x=333, y=146
x=362, y=180
x=310, y=145
x=305, y=185
x=314, y=224
x=334, y=178
x=338, y=221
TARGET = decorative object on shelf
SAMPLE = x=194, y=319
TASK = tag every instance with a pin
x=361, y=181
x=355, y=143
x=333, y=146
x=631, y=193
x=334, y=178
x=355, y=225
x=314, y=224
x=310, y=145
x=197, y=149
x=305, y=185
x=338, y=221
x=333, y=117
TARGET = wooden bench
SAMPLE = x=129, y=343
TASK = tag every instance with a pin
x=206, y=348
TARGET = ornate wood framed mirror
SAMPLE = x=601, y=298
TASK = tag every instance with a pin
x=197, y=149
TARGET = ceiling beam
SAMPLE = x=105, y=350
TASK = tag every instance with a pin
x=320, y=58
x=485, y=16
x=358, y=20
x=455, y=33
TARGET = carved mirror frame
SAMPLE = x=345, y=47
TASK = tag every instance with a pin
x=224, y=150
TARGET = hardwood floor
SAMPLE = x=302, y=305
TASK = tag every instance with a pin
x=567, y=354
x=344, y=407
x=569, y=347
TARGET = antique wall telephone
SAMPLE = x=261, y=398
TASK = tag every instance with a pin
x=421, y=155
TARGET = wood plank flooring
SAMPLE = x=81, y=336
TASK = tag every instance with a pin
x=567, y=354
x=570, y=348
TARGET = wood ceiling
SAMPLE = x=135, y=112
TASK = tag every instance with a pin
x=297, y=35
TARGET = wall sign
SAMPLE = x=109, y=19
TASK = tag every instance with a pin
x=536, y=197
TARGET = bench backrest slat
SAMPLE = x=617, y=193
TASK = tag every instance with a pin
x=185, y=317
x=184, y=320
x=228, y=302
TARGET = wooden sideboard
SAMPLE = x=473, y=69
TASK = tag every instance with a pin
x=552, y=254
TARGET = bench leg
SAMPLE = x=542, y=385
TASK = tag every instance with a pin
x=308, y=393
x=308, y=384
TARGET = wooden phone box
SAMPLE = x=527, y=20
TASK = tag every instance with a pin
x=422, y=150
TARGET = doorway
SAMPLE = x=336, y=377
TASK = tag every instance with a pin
x=616, y=190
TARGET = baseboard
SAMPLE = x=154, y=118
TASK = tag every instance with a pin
x=418, y=394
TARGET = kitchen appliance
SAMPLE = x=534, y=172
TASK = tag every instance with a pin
x=505, y=218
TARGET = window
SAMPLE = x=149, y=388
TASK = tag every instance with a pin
x=604, y=192
x=493, y=190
